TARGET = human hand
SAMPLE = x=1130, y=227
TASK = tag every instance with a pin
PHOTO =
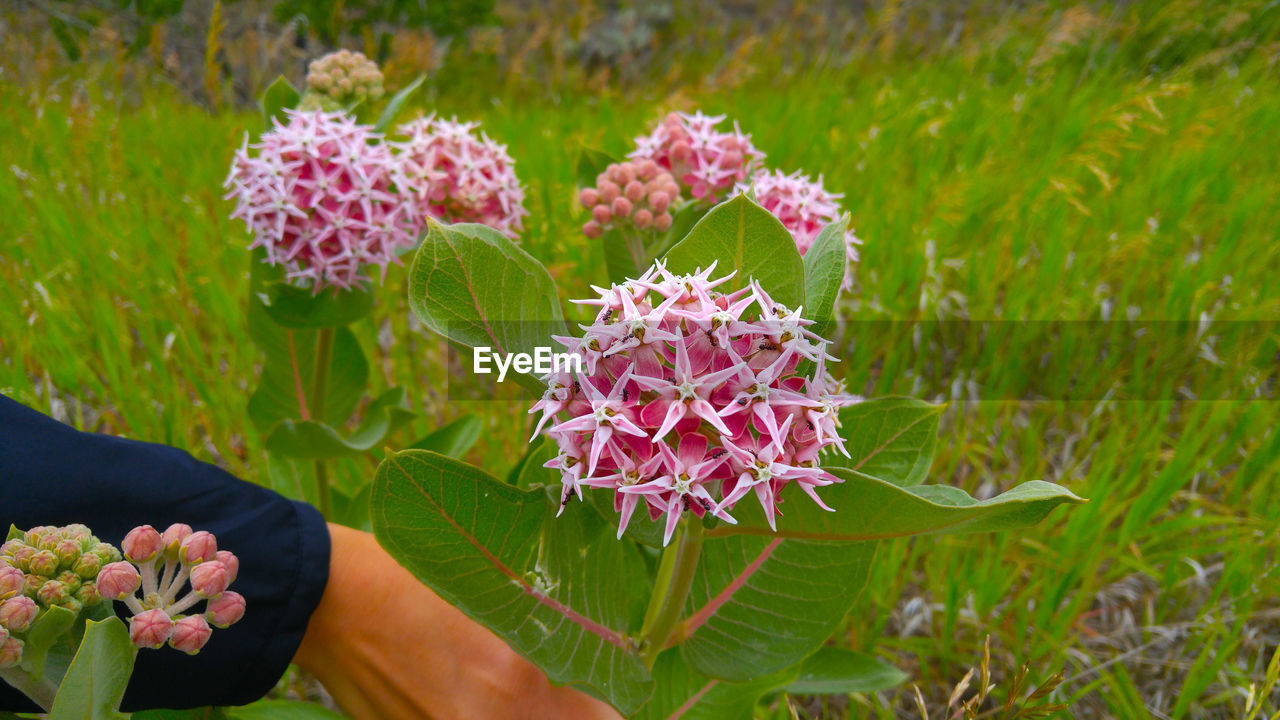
x=388, y=648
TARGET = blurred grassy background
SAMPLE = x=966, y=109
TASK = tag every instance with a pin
x=1047, y=161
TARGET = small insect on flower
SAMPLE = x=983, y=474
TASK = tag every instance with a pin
x=689, y=400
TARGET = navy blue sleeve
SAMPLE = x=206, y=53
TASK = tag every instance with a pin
x=52, y=474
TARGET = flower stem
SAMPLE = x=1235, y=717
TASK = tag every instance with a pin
x=672, y=591
x=635, y=246
x=319, y=388
x=41, y=691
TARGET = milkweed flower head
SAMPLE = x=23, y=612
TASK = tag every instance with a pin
x=339, y=79
x=689, y=398
x=456, y=175
x=42, y=568
x=705, y=160
x=636, y=193
x=805, y=207
x=319, y=195
x=151, y=580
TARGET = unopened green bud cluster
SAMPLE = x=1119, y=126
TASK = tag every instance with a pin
x=60, y=563
x=46, y=567
x=339, y=79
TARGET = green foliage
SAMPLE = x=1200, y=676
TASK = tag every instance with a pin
x=278, y=96
x=837, y=671
x=740, y=235
x=386, y=121
x=313, y=440
x=477, y=288
x=331, y=22
x=559, y=590
x=297, y=308
x=824, y=265
x=453, y=439
x=98, y=676
x=283, y=710
x=890, y=438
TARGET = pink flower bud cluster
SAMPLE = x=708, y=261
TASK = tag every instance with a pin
x=339, y=79
x=320, y=197
x=46, y=567
x=690, y=398
x=636, y=192
x=805, y=207
x=705, y=160
x=161, y=565
x=456, y=177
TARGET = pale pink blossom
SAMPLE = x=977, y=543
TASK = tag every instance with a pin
x=455, y=175
x=320, y=197
x=804, y=207
x=689, y=398
x=190, y=633
x=705, y=160
x=150, y=628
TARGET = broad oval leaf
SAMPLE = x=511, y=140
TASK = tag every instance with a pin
x=298, y=308
x=740, y=235
x=868, y=508
x=396, y=104
x=315, y=440
x=474, y=286
x=824, y=268
x=279, y=96
x=98, y=675
x=684, y=693
x=759, y=605
x=560, y=590
x=839, y=671
x=453, y=439
x=48, y=630
x=891, y=438
x=289, y=368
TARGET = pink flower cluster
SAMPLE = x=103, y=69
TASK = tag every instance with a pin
x=456, y=177
x=46, y=567
x=804, y=207
x=161, y=565
x=690, y=398
x=707, y=161
x=638, y=192
x=320, y=197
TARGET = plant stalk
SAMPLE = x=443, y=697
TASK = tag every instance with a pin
x=635, y=246
x=41, y=691
x=319, y=388
x=673, y=591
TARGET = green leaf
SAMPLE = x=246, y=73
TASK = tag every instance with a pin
x=681, y=691
x=278, y=96
x=98, y=675
x=204, y=713
x=276, y=398
x=300, y=309
x=867, y=508
x=44, y=633
x=561, y=591
x=762, y=604
x=891, y=438
x=591, y=164
x=740, y=235
x=824, y=267
x=283, y=710
x=813, y=567
x=528, y=471
x=618, y=262
x=396, y=104
x=837, y=671
x=314, y=440
x=453, y=439
x=473, y=285
x=15, y=533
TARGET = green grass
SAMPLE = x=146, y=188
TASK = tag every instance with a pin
x=1127, y=171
